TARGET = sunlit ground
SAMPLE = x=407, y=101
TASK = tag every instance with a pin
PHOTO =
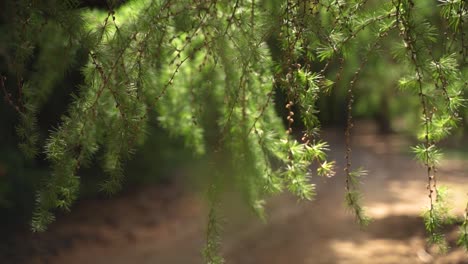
x=165, y=224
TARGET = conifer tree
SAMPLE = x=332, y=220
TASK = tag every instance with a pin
x=211, y=72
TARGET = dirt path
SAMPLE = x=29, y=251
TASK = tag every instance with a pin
x=166, y=225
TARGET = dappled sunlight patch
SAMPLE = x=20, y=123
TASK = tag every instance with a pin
x=378, y=251
x=409, y=197
x=410, y=200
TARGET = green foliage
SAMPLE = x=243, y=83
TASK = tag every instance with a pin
x=463, y=238
x=454, y=11
x=429, y=156
x=436, y=217
x=353, y=197
x=212, y=249
x=212, y=71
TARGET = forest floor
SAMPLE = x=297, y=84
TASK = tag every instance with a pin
x=166, y=224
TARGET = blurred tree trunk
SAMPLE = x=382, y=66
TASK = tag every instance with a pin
x=383, y=117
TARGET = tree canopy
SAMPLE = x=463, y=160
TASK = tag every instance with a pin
x=221, y=74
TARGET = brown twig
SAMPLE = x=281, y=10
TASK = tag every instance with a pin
x=7, y=95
